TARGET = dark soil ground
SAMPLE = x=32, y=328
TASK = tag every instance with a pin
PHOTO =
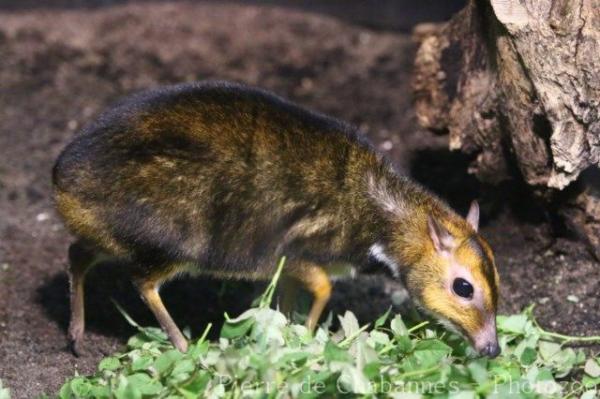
x=60, y=67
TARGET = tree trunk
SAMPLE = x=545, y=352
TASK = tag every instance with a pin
x=516, y=83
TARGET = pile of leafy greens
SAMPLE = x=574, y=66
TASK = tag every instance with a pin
x=262, y=354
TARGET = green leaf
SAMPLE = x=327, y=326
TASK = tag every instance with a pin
x=405, y=344
x=591, y=394
x=185, y=366
x=580, y=357
x=65, y=391
x=352, y=380
x=398, y=326
x=548, y=388
x=156, y=334
x=148, y=335
x=406, y=395
x=199, y=349
x=512, y=390
x=4, y=392
x=590, y=382
x=332, y=352
x=100, y=392
x=544, y=374
x=463, y=395
x=238, y=327
x=430, y=352
x=268, y=326
x=529, y=341
x=378, y=338
x=564, y=361
x=349, y=324
x=506, y=371
x=80, y=387
x=382, y=319
x=109, y=363
x=197, y=384
x=528, y=356
x=478, y=370
x=548, y=349
x=294, y=358
x=144, y=383
x=372, y=370
x=512, y=324
x=126, y=391
x=165, y=361
x=592, y=368
x=142, y=363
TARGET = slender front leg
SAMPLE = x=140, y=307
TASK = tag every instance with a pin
x=316, y=280
x=149, y=293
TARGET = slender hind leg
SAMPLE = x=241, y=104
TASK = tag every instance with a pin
x=148, y=288
x=316, y=280
x=82, y=257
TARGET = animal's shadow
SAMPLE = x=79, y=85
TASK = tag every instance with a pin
x=193, y=302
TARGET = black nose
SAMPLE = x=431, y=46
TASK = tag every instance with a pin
x=491, y=350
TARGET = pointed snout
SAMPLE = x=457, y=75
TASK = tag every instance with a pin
x=490, y=350
x=486, y=340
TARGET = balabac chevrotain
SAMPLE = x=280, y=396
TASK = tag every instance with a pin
x=222, y=179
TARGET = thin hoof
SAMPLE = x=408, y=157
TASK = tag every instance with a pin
x=76, y=340
x=181, y=345
x=75, y=345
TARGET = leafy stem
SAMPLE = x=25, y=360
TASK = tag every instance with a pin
x=565, y=339
x=267, y=296
x=419, y=372
x=352, y=337
x=418, y=326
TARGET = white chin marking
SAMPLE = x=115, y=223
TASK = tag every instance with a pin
x=448, y=325
x=444, y=322
x=376, y=251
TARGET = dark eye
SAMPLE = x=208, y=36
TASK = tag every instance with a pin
x=463, y=288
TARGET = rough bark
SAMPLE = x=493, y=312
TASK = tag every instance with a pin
x=516, y=83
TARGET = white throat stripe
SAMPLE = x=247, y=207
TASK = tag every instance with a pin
x=376, y=251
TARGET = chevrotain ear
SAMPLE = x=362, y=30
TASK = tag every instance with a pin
x=443, y=242
x=473, y=215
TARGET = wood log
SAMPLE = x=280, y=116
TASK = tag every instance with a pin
x=516, y=83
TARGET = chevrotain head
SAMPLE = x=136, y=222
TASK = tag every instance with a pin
x=447, y=267
x=455, y=279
